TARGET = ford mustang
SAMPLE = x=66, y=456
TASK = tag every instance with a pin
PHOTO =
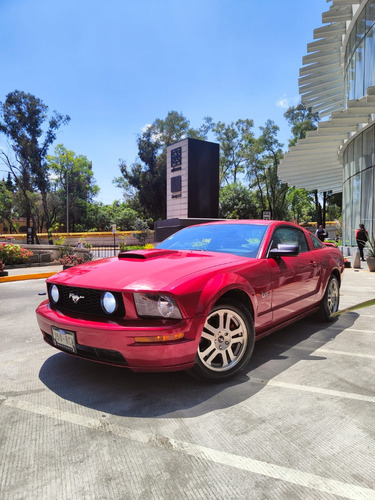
x=197, y=301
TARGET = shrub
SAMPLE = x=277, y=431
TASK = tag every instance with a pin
x=2, y=267
x=127, y=248
x=14, y=254
x=142, y=231
x=71, y=260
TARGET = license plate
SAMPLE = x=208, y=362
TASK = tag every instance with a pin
x=64, y=339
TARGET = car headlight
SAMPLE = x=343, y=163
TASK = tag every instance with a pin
x=156, y=305
x=109, y=302
x=54, y=294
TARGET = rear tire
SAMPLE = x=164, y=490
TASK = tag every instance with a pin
x=227, y=342
x=331, y=300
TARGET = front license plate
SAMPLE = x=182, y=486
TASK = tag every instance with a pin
x=64, y=339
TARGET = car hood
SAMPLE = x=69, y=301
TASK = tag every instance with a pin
x=143, y=269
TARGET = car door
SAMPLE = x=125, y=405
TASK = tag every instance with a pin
x=295, y=279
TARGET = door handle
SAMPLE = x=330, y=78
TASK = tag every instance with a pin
x=313, y=264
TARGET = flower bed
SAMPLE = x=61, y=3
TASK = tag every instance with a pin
x=71, y=260
x=14, y=254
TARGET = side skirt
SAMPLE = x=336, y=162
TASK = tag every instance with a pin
x=282, y=325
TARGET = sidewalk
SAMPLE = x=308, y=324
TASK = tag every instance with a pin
x=31, y=273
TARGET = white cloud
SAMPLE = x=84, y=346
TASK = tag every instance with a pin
x=285, y=102
x=145, y=127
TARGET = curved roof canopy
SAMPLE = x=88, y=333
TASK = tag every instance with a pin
x=314, y=163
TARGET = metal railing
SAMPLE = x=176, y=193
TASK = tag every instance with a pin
x=101, y=251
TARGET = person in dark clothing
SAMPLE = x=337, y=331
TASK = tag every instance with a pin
x=361, y=237
x=321, y=233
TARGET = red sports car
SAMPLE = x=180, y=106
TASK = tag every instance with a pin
x=197, y=301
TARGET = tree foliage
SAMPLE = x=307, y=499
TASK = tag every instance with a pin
x=51, y=189
x=145, y=180
x=236, y=141
x=24, y=120
x=237, y=202
x=6, y=205
x=301, y=120
x=73, y=180
x=263, y=171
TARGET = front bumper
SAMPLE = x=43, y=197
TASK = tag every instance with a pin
x=113, y=343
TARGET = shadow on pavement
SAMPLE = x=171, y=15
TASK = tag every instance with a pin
x=117, y=391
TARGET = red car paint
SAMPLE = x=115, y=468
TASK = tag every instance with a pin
x=277, y=291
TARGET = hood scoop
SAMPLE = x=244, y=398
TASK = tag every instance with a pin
x=144, y=254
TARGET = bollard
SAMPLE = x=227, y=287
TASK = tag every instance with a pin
x=357, y=260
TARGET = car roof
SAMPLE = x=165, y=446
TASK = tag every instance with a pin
x=248, y=221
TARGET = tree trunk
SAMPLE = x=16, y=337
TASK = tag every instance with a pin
x=324, y=208
x=318, y=209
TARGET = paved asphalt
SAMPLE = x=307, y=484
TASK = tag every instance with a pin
x=299, y=424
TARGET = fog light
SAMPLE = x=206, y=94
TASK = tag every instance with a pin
x=54, y=294
x=109, y=303
x=160, y=338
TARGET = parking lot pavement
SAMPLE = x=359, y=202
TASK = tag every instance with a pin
x=299, y=424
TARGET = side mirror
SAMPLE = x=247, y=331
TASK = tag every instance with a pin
x=284, y=250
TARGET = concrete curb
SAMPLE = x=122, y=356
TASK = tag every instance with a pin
x=21, y=277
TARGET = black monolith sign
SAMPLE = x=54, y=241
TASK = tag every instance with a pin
x=192, y=185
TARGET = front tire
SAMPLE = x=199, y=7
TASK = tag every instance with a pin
x=331, y=300
x=227, y=342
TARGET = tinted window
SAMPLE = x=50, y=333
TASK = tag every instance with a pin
x=238, y=239
x=316, y=242
x=291, y=236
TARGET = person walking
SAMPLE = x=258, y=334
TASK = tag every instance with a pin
x=361, y=237
x=321, y=233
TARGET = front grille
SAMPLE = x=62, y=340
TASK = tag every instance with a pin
x=93, y=353
x=85, y=301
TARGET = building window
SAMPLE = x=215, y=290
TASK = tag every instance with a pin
x=359, y=185
x=359, y=55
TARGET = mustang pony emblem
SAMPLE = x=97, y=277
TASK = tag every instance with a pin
x=75, y=298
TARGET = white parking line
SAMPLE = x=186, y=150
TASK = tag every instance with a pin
x=354, y=330
x=315, y=390
x=321, y=350
x=305, y=479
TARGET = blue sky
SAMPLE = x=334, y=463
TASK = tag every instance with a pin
x=116, y=65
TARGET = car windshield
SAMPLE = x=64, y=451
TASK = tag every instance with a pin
x=239, y=239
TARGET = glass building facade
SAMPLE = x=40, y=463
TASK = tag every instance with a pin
x=360, y=54
x=337, y=80
x=358, y=185
x=358, y=157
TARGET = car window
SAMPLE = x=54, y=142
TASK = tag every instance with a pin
x=239, y=239
x=291, y=236
x=316, y=242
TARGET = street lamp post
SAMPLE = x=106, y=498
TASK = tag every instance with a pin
x=67, y=201
x=114, y=238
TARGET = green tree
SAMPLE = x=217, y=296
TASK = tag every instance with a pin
x=237, y=202
x=73, y=180
x=301, y=120
x=235, y=139
x=7, y=206
x=145, y=180
x=300, y=204
x=24, y=120
x=122, y=215
x=9, y=184
x=262, y=171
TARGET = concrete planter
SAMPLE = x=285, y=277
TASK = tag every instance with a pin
x=371, y=264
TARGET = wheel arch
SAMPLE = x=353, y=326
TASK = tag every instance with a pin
x=223, y=286
x=241, y=296
x=336, y=274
